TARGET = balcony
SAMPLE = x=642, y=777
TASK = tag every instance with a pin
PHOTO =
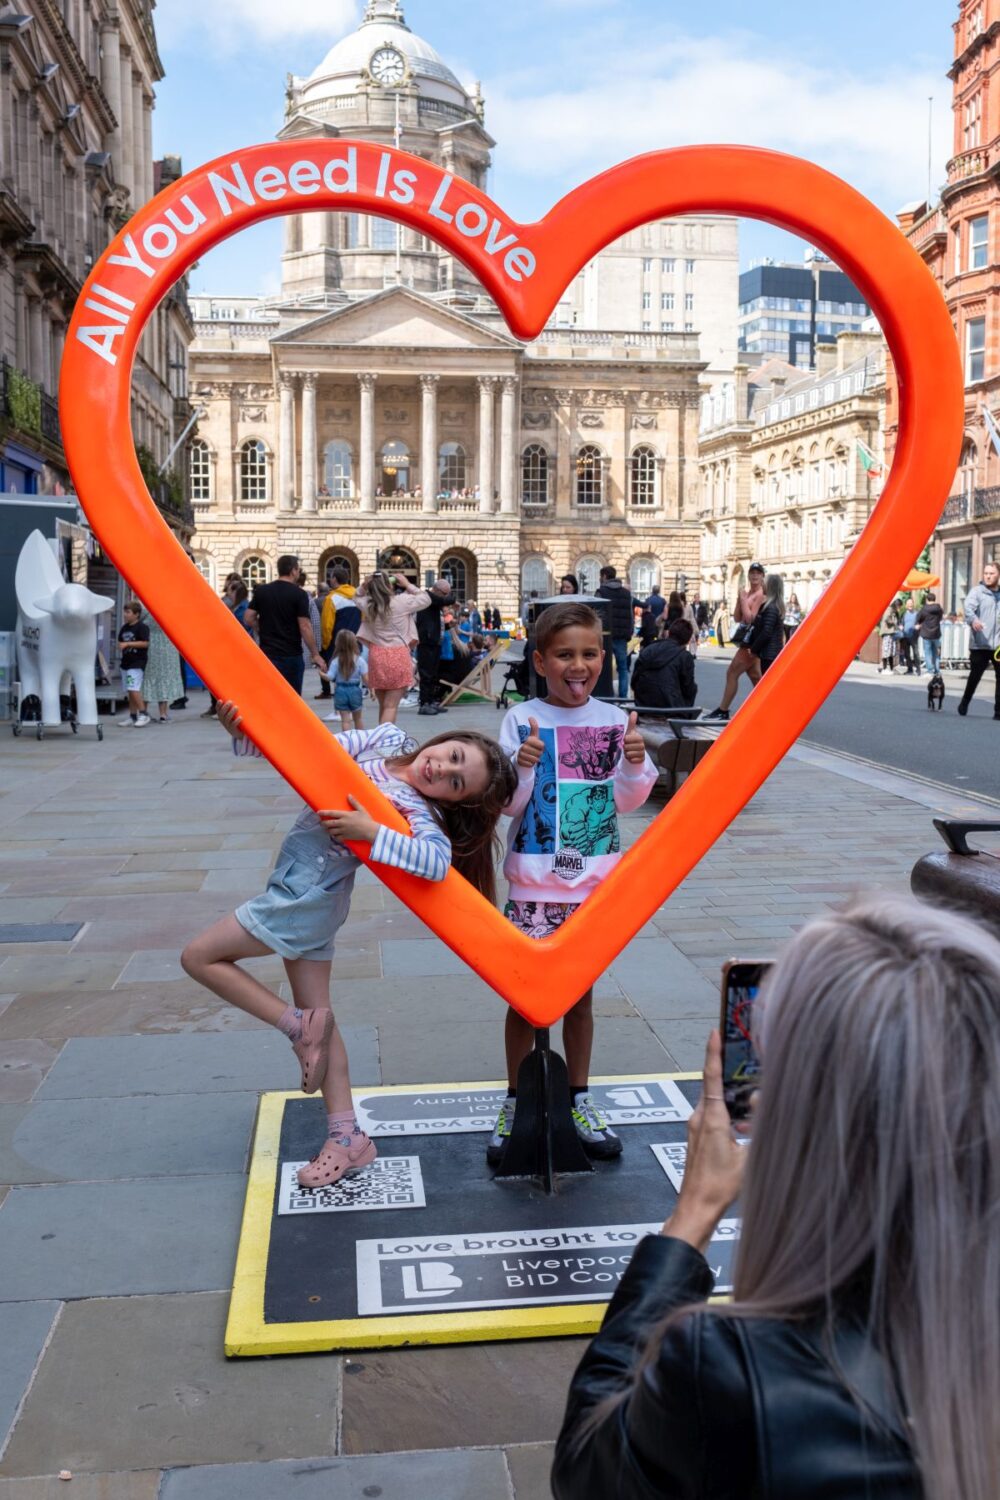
x=27, y=407
x=981, y=504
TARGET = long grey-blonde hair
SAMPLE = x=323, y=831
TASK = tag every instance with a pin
x=378, y=595
x=774, y=593
x=876, y=1157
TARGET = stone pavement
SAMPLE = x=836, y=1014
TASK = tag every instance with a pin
x=127, y=1100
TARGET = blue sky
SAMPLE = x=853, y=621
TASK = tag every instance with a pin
x=572, y=86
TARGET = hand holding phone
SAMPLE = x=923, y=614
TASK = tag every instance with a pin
x=741, y=982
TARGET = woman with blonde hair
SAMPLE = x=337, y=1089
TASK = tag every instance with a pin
x=388, y=602
x=860, y=1355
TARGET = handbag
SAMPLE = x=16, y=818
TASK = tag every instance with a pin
x=741, y=633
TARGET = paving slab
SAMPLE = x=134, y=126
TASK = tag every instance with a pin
x=685, y=1040
x=159, y=1393
x=412, y=958
x=530, y=1466
x=457, y=1475
x=24, y=1327
x=143, y=1485
x=489, y=1394
x=106, y=1239
x=129, y=1009
x=239, y=1062
x=662, y=981
x=95, y=1140
x=23, y=1065
x=86, y=971
x=29, y=908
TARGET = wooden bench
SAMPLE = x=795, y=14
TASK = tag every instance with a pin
x=675, y=738
x=478, y=675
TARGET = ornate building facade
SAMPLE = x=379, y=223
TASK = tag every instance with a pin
x=77, y=87
x=959, y=239
x=378, y=407
x=782, y=478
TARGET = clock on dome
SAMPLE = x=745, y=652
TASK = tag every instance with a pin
x=388, y=66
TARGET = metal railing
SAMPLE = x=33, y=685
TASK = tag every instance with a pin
x=979, y=505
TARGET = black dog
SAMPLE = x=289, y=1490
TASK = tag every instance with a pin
x=935, y=692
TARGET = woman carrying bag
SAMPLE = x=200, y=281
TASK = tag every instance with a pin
x=766, y=636
x=389, y=631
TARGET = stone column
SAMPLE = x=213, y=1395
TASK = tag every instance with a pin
x=111, y=83
x=36, y=353
x=487, y=385
x=366, y=463
x=309, y=484
x=286, y=453
x=143, y=188
x=125, y=165
x=147, y=147
x=429, y=441
x=508, y=441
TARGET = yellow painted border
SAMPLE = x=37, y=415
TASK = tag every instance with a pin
x=248, y=1335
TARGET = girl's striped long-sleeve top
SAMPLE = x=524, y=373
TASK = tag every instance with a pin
x=425, y=850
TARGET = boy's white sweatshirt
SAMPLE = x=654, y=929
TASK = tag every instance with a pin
x=564, y=837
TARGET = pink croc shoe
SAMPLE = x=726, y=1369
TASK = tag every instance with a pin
x=313, y=1046
x=336, y=1161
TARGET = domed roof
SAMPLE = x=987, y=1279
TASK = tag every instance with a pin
x=384, y=26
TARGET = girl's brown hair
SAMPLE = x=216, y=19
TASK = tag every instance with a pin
x=347, y=649
x=472, y=826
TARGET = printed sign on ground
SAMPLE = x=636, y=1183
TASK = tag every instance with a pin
x=450, y=1111
x=390, y=1182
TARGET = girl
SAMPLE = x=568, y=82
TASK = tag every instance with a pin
x=451, y=791
x=388, y=629
x=348, y=671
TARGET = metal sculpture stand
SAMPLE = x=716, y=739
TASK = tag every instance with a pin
x=543, y=1139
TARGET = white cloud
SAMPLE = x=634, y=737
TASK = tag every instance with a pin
x=678, y=90
x=241, y=23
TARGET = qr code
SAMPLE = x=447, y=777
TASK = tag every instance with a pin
x=390, y=1182
x=672, y=1157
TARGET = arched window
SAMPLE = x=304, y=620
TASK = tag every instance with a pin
x=199, y=470
x=253, y=570
x=589, y=476
x=253, y=471
x=451, y=468
x=588, y=572
x=455, y=569
x=331, y=560
x=536, y=577
x=534, y=475
x=643, y=475
x=338, y=469
x=205, y=567
x=642, y=574
x=395, y=468
x=400, y=560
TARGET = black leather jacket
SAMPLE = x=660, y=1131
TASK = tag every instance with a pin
x=730, y=1408
x=767, y=635
x=663, y=676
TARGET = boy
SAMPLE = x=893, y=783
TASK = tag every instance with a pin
x=134, y=641
x=579, y=764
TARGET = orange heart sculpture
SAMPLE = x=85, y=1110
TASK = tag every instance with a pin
x=524, y=268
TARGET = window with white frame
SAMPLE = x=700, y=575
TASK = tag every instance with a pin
x=972, y=122
x=205, y=567
x=647, y=301
x=689, y=301
x=534, y=475
x=666, y=326
x=338, y=469
x=199, y=470
x=253, y=471
x=647, y=263
x=975, y=350
x=589, y=476
x=536, y=577
x=451, y=467
x=974, y=23
x=666, y=301
x=588, y=574
x=979, y=229
x=667, y=266
x=689, y=267
x=642, y=574
x=253, y=570
x=643, y=477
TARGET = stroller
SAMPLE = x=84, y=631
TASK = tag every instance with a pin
x=516, y=679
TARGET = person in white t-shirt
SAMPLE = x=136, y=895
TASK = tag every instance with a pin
x=580, y=762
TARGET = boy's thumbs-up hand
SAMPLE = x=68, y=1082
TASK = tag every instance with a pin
x=533, y=748
x=634, y=746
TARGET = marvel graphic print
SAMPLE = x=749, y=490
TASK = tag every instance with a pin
x=571, y=815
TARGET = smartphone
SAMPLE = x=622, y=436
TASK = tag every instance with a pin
x=741, y=982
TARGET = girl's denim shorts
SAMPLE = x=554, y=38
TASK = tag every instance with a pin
x=306, y=901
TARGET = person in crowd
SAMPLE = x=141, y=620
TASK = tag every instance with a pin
x=479, y=650
x=858, y=1356
x=455, y=651
x=348, y=671
x=656, y=603
x=314, y=618
x=702, y=617
x=793, y=617
x=663, y=675
x=475, y=618
x=622, y=621
x=429, y=631
x=162, y=682
x=648, y=629
x=451, y=791
x=910, y=637
x=339, y=612
x=569, y=584
x=497, y=622
x=889, y=631
x=240, y=597
x=133, y=638
x=279, y=612
x=228, y=588
x=580, y=763
x=689, y=615
x=766, y=636
x=982, y=615
x=929, y=618
x=388, y=603
x=748, y=602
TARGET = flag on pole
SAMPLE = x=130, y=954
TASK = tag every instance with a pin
x=991, y=427
x=869, y=462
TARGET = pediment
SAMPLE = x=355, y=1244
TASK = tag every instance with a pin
x=393, y=319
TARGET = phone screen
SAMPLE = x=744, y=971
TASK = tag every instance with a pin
x=740, y=1065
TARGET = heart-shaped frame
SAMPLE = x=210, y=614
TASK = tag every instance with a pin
x=525, y=269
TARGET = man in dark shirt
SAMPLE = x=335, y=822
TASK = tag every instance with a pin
x=929, y=630
x=623, y=607
x=429, y=647
x=279, y=611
